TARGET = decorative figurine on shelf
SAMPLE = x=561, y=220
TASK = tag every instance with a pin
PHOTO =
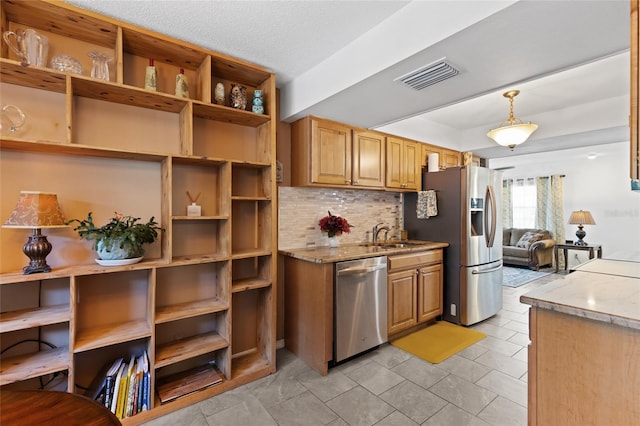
x=182, y=85
x=218, y=94
x=194, y=209
x=257, y=107
x=238, y=97
x=151, y=77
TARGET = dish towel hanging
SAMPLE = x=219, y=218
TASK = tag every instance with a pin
x=427, y=205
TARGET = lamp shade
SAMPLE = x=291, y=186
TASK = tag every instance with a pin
x=581, y=217
x=36, y=210
x=512, y=135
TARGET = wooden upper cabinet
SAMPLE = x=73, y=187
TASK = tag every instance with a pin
x=328, y=153
x=634, y=118
x=403, y=164
x=446, y=157
x=368, y=158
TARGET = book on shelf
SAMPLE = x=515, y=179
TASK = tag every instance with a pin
x=185, y=382
x=109, y=381
x=116, y=388
x=123, y=389
x=97, y=390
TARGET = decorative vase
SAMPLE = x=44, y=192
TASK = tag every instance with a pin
x=257, y=106
x=111, y=250
x=333, y=242
x=238, y=97
x=218, y=94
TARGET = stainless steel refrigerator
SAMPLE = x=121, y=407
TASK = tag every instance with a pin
x=470, y=219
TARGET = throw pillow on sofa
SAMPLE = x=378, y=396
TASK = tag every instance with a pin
x=529, y=238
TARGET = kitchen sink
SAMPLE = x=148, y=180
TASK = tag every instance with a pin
x=395, y=244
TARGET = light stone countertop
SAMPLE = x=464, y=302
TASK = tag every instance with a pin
x=601, y=293
x=358, y=251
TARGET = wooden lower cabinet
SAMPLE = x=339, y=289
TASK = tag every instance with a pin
x=430, y=281
x=414, y=289
x=582, y=371
x=402, y=300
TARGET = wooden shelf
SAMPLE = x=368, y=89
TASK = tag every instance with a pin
x=38, y=78
x=249, y=284
x=220, y=217
x=242, y=254
x=46, y=147
x=188, y=287
x=111, y=334
x=35, y=317
x=189, y=310
x=179, y=350
x=228, y=114
x=23, y=367
x=248, y=364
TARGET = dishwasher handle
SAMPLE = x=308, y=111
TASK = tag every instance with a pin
x=358, y=271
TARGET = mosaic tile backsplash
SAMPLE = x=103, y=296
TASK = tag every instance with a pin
x=300, y=209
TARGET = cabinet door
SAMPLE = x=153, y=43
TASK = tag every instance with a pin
x=394, y=162
x=449, y=158
x=429, y=292
x=411, y=165
x=330, y=153
x=368, y=159
x=402, y=304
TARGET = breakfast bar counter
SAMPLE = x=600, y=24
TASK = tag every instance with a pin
x=584, y=356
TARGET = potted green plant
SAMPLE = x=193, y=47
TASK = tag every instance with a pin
x=121, y=238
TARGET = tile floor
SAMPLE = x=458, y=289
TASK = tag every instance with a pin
x=485, y=384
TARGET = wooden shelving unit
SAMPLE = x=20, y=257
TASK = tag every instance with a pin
x=205, y=291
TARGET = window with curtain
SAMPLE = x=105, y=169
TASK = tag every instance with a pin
x=535, y=203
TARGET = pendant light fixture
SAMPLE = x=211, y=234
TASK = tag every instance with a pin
x=513, y=131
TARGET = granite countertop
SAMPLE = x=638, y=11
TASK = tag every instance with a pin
x=359, y=251
x=601, y=293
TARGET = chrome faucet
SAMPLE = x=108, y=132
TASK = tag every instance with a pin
x=376, y=232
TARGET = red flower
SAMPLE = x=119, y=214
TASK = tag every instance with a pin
x=334, y=225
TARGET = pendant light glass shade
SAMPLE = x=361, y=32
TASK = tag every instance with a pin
x=513, y=131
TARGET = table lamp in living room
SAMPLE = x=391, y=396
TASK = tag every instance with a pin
x=36, y=210
x=581, y=218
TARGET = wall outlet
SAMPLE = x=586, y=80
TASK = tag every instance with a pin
x=453, y=310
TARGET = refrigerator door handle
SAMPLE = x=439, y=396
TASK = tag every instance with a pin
x=486, y=271
x=491, y=204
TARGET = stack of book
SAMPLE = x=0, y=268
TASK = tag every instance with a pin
x=125, y=386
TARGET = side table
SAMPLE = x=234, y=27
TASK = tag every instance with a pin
x=591, y=248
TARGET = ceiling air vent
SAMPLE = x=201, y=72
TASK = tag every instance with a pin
x=430, y=74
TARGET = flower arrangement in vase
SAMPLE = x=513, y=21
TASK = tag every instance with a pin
x=334, y=226
x=121, y=238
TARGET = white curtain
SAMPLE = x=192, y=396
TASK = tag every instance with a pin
x=507, y=203
x=550, y=211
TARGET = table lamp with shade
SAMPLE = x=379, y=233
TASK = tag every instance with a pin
x=581, y=218
x=36, y=210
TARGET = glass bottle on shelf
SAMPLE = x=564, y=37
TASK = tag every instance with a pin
x=100, y=66
x=182, y=85
x=151, y=77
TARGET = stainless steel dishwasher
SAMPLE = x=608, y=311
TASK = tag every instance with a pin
x=360, y=306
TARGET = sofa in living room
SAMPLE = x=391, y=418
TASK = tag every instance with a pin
x=532, y=248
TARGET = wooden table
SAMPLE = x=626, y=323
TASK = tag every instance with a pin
x=52, y=408
x=566, y=247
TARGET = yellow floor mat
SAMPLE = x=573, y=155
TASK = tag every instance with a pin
x=439, y=341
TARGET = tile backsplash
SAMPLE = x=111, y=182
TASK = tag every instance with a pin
x=300, y=209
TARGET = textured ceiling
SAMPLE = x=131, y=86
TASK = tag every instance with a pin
x=338, y=59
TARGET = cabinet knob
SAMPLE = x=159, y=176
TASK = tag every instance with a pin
x=348, y=181
x=355, y=182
